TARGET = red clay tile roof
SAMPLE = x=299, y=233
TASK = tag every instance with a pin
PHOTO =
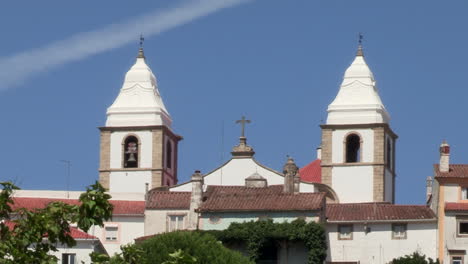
x=312, y=172
x=78, y=234
x=456, y=206
x=377, y=212
x=168, y=200
x=120, y=207
x=455, y=171
x=272, y=198
x=75, y=232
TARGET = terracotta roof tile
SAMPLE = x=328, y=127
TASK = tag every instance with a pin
x=455, y=171
x=75, y=232
x=272, y=198
x=168, y=200
x=120, y=207
x=377, y=212
x=456, y=206
x=312, y=172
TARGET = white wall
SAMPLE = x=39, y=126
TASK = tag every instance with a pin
x=155, y=220
x=146, y=148
x=129, y=181
x=378, y=247
x=451, y=240
x=353, y=184
x=235, y=171
x=129, y=228
x=82, y=250
x=451, y=192
x=367, y=147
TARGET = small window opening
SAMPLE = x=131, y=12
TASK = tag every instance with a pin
x=389, y=153
x=131, y=152
x=463, y=228
x=168, y=155
x=353, y=148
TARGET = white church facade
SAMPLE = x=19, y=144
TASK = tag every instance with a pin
x=350, y=187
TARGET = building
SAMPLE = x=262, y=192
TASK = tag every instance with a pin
x=448, y=197
x=350, y=187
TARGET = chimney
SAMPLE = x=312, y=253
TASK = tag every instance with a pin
x=428, y=187
x=297, y=183
x=290, y=170
x=444, y=157
x=196, y=199
x=319, y=152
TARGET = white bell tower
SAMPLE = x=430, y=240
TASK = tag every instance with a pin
x=358, y=145
x=138, y=147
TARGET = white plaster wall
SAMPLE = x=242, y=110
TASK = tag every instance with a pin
x=129, y=228
x=388, y=186
x=378, y=247
x=146, y=148
x=353, y=184
x=367, y=147
x=155, y=220
x=235, y=171
x=82, y=250
x=451, y=192
x=451, y=240
x=129, y=181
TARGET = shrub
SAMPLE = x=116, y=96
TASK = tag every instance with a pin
x=200, y=246
x=414, y=258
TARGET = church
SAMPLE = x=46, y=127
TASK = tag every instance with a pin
x=349, y=187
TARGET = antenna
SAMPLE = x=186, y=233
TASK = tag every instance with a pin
x=222, y=149
x=68, y=164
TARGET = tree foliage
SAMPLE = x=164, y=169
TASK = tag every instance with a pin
x=35, y=233
x=414, y=258
x=186, y=247
x=256, y=234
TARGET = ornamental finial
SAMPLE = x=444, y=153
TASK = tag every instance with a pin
x=360, y=38
x=141, y=54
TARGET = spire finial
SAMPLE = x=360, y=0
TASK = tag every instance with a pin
x=242, y=150
x=360, y=38
x=141, y=54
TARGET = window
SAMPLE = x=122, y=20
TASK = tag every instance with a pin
x=131, y=152
x=389, y=154
x=68, y=258
x=168, y=154
x=175, y=222
x=353, y=148
x=111, y=233
x=464, y=193
x=462, y=227
x=345, y=232
x=456, y=260
x=215, y=219
x=399, y=231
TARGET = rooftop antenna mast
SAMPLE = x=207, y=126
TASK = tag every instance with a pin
x=68, y=164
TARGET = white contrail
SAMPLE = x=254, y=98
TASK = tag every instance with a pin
x=18, y=68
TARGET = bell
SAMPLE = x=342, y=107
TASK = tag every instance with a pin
x=131, y=157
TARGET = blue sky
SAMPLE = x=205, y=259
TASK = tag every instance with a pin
x=278, y=62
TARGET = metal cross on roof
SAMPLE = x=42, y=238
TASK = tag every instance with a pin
x=361, y=37
x=243, y=121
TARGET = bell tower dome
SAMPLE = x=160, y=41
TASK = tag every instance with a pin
x=138, y=147
x=358, y=145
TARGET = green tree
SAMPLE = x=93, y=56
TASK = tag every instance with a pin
x=25, y=243
x=183, y=247
x=414, y=258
